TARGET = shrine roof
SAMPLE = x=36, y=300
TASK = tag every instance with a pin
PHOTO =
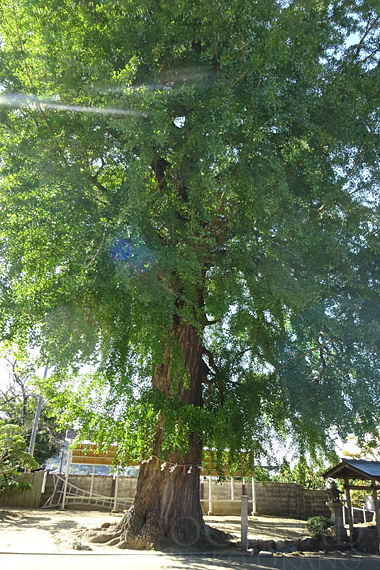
x=355, y=469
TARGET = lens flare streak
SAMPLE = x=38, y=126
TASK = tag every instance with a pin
x=18, y=101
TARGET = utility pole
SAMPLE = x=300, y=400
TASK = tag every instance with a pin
x=36, y=420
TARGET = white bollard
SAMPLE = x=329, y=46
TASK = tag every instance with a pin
x=209, y=495
x=244, y=522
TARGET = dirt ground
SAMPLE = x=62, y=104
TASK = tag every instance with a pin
x=54, y=531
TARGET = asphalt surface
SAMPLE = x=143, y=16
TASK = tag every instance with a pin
x=157, y=561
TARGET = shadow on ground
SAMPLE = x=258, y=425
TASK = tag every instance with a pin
x=244, y=561
x=36, y=522
x=261, y=527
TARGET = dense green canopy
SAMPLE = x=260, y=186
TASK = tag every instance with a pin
x=212, y=164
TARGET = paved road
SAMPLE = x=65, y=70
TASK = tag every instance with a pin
x=158, y=561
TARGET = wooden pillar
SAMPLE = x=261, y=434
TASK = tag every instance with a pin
x=350, y=521
x=376, y=504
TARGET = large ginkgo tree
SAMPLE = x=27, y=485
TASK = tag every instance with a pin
x=189, y=204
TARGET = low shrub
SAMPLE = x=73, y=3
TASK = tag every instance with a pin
x=318, y=526
x=78, y=545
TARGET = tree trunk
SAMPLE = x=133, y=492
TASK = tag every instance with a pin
x=166, y=512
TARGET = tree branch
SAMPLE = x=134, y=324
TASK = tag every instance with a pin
x=97, y=252
x=213, y=322
x=219, y=208
x=369, y=27
x=210, y=357
x=239, y=78
x=318, y=347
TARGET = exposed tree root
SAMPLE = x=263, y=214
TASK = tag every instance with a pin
x=140, y=533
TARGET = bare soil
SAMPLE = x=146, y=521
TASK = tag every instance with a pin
x=54, y=531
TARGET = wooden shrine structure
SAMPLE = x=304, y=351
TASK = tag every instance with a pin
x=90, y=454
x=360, y=470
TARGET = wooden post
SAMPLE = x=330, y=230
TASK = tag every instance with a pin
x=349, y=509
x=377, y=515
x=232, y=488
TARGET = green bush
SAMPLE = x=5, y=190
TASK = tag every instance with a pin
x=11, y=484
x=78, y=545
x=317, y=526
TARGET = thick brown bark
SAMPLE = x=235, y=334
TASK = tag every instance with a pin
x=166, y=512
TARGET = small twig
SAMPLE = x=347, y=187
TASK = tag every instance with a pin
x=319, y=347
x=211, y=9
x=213, y=322
x=369, y=56
x=220, y=207
x=98, y=250
x=99, y=185
x=357, y=160
x=241, y=77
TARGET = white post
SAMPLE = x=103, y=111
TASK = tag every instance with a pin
x=69, y=456
x=232, y=489
x=92, y=480
x=244, y=522
x=209, y=495
x=44, y=482
x=254, y=509
x=116, y=488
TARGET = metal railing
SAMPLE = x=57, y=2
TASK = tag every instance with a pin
x=361, y=509
x=75, y=495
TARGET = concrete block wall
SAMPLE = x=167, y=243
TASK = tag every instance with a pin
x=280, y=499
x=315, y=503
x=102, y=484
x=222, y=491
x=274, y=499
